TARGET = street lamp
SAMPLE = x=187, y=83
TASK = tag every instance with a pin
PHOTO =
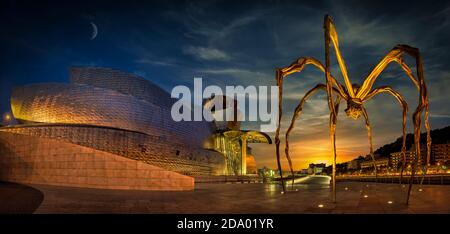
x=7, y=118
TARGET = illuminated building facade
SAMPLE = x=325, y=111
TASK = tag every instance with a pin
x=113, y=115
x=230, y=140
x=440, y=153
x=396, y=158
x=251, y=163
x=316, y=168
x=233, y=145
x=381, y=162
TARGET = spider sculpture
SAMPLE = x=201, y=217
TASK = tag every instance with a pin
x=356, y=96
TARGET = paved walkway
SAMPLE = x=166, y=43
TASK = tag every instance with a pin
x=352, y=197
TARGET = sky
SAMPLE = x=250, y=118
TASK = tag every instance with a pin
x=239, y=43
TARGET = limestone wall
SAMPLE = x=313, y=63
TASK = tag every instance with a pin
x=29, y=159
x=157, y=151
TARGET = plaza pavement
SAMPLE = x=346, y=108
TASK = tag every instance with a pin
x=312, y=195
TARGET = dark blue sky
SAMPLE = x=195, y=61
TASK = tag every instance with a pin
x=234, y=42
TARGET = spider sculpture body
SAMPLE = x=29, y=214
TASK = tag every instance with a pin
x=356, y=96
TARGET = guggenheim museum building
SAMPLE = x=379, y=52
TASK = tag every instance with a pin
x=110, y=129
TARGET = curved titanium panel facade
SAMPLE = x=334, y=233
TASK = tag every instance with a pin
x=83, y=104
x=121, y=82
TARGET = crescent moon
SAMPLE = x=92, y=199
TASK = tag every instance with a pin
x=94, y=31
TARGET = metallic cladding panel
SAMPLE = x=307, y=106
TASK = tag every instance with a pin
x=83, y=104
x=121, y=82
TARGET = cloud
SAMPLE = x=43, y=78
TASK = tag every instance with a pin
x=154, y=62
x=237, y=73
x=216, y=34
x=439, y=116
x=205, y=53
x=213, y=31
x=372, y=33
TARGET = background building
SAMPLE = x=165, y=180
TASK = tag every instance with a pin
x=396, y=158
x=316, y=168
x=440, y=153
x=355, y=164
x=380, y=162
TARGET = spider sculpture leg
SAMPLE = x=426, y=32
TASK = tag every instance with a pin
x=404, y=107
x=333, y=120
x=408, y=71
x=417, y=123
x=427, y=126
x=369, y=134
x=281, y=73
x=395, y=55
x=331, y=36
x=296, y=115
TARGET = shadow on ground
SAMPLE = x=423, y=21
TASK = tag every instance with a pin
x=19, y=198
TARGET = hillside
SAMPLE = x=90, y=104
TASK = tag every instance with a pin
x=438, y=136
